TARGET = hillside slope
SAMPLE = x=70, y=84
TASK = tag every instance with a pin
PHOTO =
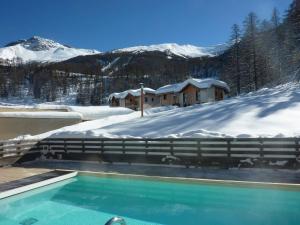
x=185, y=51
x=37, y=49
x=267, y=112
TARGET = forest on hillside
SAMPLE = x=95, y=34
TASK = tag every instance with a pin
x=264, y=52
x=261, y=53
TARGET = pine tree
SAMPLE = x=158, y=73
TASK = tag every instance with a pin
x=250, y=37
x=235, y=40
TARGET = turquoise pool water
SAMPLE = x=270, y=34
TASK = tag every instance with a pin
x=88, y=200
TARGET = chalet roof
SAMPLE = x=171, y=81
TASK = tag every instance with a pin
x=133, y=92
x=200, y=83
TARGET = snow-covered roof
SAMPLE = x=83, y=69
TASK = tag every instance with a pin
x=205, y=83
x=133, y=92
x=200, y=83
x=170, y=88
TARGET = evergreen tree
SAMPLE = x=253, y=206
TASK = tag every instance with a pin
x=251, y=38
x=235, y=40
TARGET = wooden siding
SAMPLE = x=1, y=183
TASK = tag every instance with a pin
x=219, y=93
x=168, y=99
x=190, y=95
x=131, y=102
x=114, y=102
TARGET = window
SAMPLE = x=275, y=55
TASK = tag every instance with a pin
x=165, y=97
x=146, y=99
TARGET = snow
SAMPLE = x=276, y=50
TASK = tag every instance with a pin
x=200, y=83
x=86, y=112
x=42, y=115
x=133, y=92
x=270, y=112
x=41, y=50
x=87, y=128
x=278, y=163
x=170, y=88
x=189, y=51
x=99, y=112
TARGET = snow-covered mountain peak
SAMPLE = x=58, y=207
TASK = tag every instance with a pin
x=187, y=51
x=37, y=43
x=39, y=49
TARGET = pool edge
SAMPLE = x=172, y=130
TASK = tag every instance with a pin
x=36, y=185
x=195, y=180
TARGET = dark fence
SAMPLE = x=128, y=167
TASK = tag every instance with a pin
x=225, y=152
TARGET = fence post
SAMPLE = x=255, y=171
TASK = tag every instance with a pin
x=199, y=149
x=261, y=148
x=83, y=145
x=297, y=147
x=123, y=146
x=1, y=150
x=171, y=147
x=146, y=147
x=228, y=148
x=65, y=146
x=18, y=148
x=102, y=146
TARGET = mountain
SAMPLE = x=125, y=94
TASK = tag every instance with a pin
x=186, y=51
x=170, y=58
x=87, y=72
x=37, y=49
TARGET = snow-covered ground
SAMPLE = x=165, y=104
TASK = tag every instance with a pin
x=86, y=112
x=273, y=112
x=99, y=112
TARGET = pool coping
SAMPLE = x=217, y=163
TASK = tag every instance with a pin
x=253, y=184
x=33, y=182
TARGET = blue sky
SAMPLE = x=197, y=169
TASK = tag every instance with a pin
x=111, y=24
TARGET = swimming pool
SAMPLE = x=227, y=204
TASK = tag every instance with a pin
x=91, y=200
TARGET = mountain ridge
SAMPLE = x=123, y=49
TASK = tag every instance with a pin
x=38, y=49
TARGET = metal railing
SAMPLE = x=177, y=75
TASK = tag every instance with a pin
x=116, y=220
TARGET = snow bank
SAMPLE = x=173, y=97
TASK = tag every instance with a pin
x=42, y=115
x=99, y=112
x=86, y=112
x=51, y=107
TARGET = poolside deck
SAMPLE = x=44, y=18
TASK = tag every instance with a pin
x=8, y=174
